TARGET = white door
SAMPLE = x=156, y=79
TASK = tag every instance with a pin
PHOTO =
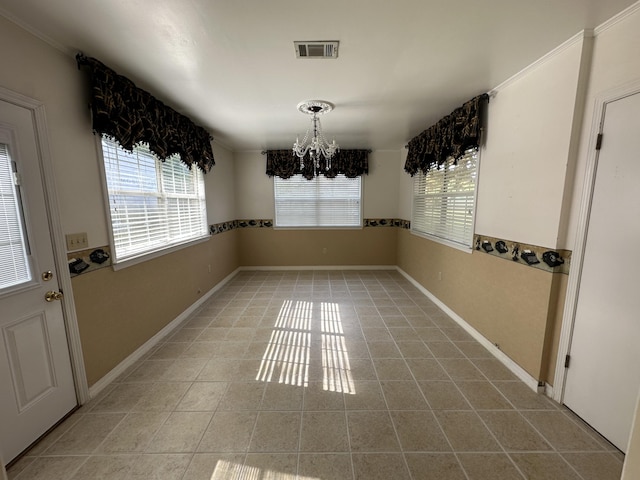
x=36, y=381
x=603, y=377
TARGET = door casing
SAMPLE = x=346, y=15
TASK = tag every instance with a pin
x=575, y=272
x=57, y=238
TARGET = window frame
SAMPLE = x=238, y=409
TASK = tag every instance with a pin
x=159, y=250
x=468, y=248
x=315, y=181
x=8, y=137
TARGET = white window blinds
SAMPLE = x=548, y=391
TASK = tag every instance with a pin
x=153, y=205
x=14, y=249
x=320, y=202
x=444, y=200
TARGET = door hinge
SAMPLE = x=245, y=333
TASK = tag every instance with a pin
x=567, y=360
x=599, y=142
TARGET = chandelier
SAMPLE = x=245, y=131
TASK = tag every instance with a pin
x=314, y=141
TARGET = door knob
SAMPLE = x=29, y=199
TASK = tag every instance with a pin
x=50, y=296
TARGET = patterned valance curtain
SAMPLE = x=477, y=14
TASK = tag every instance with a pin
x=133, y=116
x=450, y=137
x=350, y=163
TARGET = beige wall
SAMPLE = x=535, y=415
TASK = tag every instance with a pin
x=118, y=311
x=554, y=325
x=523, y=182
x=262, y=247
x=265, y=247
x=506, y=302
x=529, y=146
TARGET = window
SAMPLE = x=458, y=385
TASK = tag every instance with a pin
x=444, y=201
x=14, y=251
x=320, y=202
x=153, y=205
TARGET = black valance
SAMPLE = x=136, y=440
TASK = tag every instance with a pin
x=350, y=163
x=450, y=137
x=133, y=116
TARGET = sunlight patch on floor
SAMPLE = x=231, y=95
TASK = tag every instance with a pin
x=335, y=358
x=225, y=470
x=287, y=357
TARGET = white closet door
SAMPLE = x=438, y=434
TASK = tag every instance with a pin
x=604, y=374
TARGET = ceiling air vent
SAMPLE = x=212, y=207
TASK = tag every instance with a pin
x=319, y=49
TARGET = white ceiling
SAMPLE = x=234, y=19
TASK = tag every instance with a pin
x=231, y=66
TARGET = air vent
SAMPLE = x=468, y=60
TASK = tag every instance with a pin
x=319, y=49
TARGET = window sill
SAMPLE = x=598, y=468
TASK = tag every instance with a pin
x=443, y=241
x=157, y=253
x=359, y=227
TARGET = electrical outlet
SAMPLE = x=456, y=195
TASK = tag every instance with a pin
x=77, y=241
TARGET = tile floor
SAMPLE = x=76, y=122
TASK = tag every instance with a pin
x=320, y=376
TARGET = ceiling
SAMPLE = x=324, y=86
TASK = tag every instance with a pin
x=231, y=65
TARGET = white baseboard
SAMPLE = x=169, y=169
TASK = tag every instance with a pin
x=516, y=369
x=321, y=267
x=548, y=390
x=101, y=384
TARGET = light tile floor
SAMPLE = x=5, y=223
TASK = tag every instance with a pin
x=320, y=376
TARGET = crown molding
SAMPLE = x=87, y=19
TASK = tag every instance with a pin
x=578, y=37
x=222, y=144
x=627, y=12
x=36, y=33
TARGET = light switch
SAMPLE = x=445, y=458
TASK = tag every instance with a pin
x=77, y=241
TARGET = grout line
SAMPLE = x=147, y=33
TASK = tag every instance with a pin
x=438, y=422
x=454, y=383
x=358, y=289
x=393, y=425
